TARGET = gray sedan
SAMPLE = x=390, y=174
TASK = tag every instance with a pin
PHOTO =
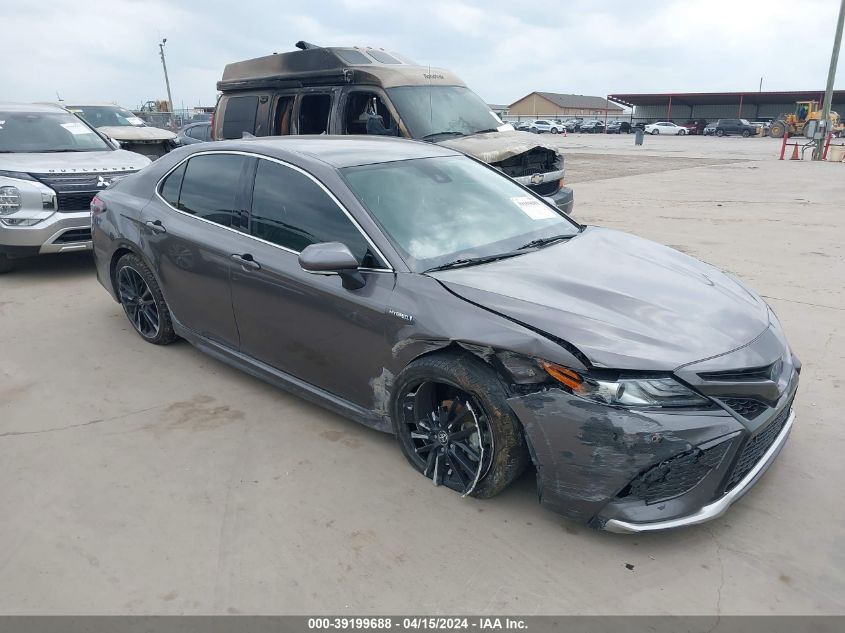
x=425, y=294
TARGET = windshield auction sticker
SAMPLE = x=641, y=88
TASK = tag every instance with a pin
x=76, y=128
x=534, y=209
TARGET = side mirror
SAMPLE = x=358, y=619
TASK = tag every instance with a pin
x=332, y=257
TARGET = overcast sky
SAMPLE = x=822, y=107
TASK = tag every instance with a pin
x=106, y=50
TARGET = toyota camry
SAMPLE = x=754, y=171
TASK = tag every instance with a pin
x=424, y=293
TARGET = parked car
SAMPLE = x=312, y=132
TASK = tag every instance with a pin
x=345, y=90
x=130, y=131
x=710, y=129
x=423, y=293
x=695, y=126
x=573, y=125
x=522, y=126
x=762, y=126
x=592, y=127
x=665, y=127
x=195, y=133
x=619, y=127
x=51, y=165
x=545, y=125
x=725, y=127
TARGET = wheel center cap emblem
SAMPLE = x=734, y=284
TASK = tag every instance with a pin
x=442, y=437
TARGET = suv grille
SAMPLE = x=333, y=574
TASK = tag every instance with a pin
x=746, y=407
x=757, y=445
x=546, y=188
x=75, y=201
x=76, y=190
x=675, y=476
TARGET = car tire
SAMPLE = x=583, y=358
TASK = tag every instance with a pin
x=681, y=132
x=720, y=132
x=653, y=132
x=746, y=134
x=6, y=264
x=142, y=301
x=444, y=389
x=554, y=130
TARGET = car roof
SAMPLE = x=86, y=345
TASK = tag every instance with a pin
x=338, y=151
x=30, y=107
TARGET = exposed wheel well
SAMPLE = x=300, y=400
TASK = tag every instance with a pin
x=120, y=252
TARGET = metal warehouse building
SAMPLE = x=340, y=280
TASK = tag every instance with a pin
x=680, y=107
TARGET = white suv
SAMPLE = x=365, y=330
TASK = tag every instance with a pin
x=544, y=125
x=52, y=164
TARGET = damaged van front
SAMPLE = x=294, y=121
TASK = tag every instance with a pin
x=369, y=91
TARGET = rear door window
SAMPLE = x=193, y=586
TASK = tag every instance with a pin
x=210, y=186
x=293, y=211
x=239, y=116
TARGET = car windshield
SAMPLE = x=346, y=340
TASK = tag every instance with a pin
x=744, y=122
x=434, y=112
x=101, y=116
x=47, y=132
x=437, y=211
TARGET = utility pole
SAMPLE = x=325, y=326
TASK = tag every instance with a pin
x=167, y=80
x=831, y=75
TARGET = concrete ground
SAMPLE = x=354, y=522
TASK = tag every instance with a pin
x=145, y=480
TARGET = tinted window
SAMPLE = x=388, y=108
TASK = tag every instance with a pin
x=384, y=58
x=351, y=56
x=291, y=210
x=239, y=116
x=210, y=186
x=172, y=184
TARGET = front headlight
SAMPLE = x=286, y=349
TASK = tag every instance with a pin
x=627, y=392
x=10, y=200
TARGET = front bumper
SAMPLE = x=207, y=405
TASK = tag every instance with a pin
x=564, y=199
x=60, y=233
x=594, y=462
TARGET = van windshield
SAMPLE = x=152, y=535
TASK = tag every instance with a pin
x=437, y=112
x=47, y=132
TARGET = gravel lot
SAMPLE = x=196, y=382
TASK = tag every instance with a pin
x=139, y=479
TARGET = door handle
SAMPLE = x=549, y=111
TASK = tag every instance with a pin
x=247, y=262
x=155, y=226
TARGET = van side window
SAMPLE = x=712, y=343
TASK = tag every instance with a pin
x=366, y=113
x=239, y=116
x=314, y=114
x=282, y=116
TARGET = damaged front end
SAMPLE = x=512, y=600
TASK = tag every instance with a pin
x=532, y=162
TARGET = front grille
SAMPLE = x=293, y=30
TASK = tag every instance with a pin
x=71, y=202
x=769, y=372
x=748, y=408
x=756, y=446
x=675, y=476
x=546, y=188
x=74, y=235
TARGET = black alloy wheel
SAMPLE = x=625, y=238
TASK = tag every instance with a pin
x=138, y=302
x=449, y=434
x=142, y=300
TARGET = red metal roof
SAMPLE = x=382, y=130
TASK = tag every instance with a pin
x=722, y=98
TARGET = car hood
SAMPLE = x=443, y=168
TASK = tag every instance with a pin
x=625, y=302
x=492, y=147
x=81, y=162
x=136, y=133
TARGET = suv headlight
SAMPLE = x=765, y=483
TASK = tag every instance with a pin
x=627, y=392
x=10, y=200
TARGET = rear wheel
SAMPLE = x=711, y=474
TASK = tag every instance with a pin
x=454, y=425
x=6, y=264
x=720, y=132
x=655, y=131
x=142, y=301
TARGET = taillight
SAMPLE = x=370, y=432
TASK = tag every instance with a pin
x=98, y=206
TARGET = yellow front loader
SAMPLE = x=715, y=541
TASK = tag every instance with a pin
x=795, y=122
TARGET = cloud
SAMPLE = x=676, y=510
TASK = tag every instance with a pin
x=107, y=50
